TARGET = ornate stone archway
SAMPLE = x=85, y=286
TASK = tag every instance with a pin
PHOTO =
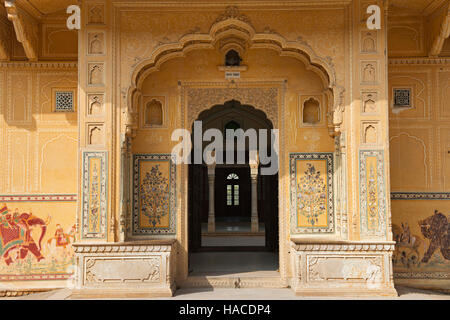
x=311, y=264
x=233, y=30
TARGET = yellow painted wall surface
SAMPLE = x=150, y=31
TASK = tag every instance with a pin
x=420, y=164
x=39, y=165
x=38, y=175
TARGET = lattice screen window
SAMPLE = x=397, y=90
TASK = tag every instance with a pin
x=64, y=101
x=402, y=97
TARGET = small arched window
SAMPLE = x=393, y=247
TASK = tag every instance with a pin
x=153, y=115
x=232, y=189
x=232, y=176
x=232, y=59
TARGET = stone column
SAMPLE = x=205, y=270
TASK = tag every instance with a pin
x=211, y=215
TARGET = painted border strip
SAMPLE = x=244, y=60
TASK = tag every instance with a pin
x=420, y=195
x=39, y=198
x=421, y=275
x=32, y=277
x=103, y=190
x=365, y=190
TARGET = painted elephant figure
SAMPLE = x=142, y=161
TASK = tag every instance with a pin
x=15, y=233
x=437, y=229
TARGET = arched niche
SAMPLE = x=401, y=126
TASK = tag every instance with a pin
x=311, y=114
x=153, y=115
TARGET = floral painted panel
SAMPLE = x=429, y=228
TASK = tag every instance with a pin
x=154, y=194
x=312, y=202
x=372, y=193
x=94, y=195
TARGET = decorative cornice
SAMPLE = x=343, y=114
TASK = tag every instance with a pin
x=420, y=195
x=243, y=4
x=39, y=65
x=125, y=247
x=419, y=61
x=343, y=246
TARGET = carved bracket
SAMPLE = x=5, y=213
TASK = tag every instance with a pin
x=26, y=28
x=443, y=33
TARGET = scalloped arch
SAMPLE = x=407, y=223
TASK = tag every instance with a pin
x=241, y=29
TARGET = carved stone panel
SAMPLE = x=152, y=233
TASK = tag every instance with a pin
x=350, y=268
x=339, y=268
x=95, y=104
x=369, y=72
x=96, y=14
x=369, y=101
x=369, y=41
x=370, y=132
x=96, y=44
x=122, y=270
x=265, y=99
x=95, y=135
x=96, y=75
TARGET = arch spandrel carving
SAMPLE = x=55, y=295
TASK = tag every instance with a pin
x=199, y=99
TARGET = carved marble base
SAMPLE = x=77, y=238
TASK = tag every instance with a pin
x=129, y=269
x=342, y=268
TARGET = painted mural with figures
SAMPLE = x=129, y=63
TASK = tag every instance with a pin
x=34, y=246
x=423, y=245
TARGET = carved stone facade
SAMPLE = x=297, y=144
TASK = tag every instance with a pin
x=146, y=68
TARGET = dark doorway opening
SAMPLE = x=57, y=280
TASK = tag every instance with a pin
x=232, y=199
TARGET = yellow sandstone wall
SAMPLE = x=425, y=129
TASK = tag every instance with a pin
x=419, y=160
x=38, y=171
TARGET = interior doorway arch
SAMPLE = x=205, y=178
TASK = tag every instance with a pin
x=233, y=194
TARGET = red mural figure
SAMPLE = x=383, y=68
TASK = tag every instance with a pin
x=15, y=234
x=61, y=238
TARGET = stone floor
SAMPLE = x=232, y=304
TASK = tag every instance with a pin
x=233, y=262
x=405, y=293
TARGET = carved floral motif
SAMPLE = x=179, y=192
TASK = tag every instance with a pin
x=262, y=98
